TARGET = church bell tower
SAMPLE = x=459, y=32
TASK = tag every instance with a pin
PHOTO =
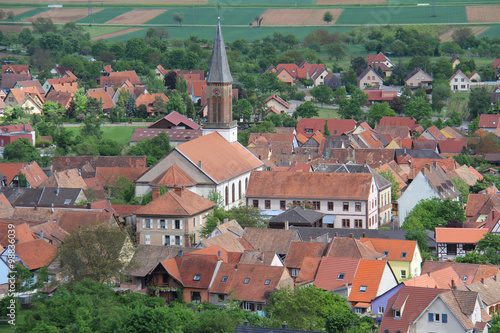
x=220, y=93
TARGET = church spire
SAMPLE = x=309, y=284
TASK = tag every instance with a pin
x=219, y=68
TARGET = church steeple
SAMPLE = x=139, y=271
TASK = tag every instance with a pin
x=219, y=67
x=220, y=92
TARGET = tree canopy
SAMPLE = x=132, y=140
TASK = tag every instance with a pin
x=431, y=213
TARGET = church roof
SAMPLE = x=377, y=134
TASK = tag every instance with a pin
x=219, y=67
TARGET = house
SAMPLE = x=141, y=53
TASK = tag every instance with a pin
x=149, y=101
x=431, y=182
x=449, y=148
x=456, y=242
x=27, y=98
x=246, y=328
x=459, y=82
x=11, y=74
x=337, y=127
x=380, y=61
x=69, y=178
x=299, y=251
x=468, y=273
x=455, y=61
x=369, y=77
x=175, y=218
x=57, y=82
x=87, y=165
x=474, y=76
x=297, y=216
x=30, y=83
x=174, y=120
x=278, y=103
x=487, y=288
x=445, y=278
x=403, y=256
x=227, y=242
x=130, y=76
x=489, y=122
x=418, y=78
x=250, y=284
x=62, y=98
x=409, y=122
x=32, y=172
x=59, y=71
x=377, y=95
x=416, y=309
x=228, y=227
x=348, y=200
x=200, y=159
x=197, y=90
x=11, y=133
x=433, y=133
x=318, y=77
x=332, y=80
x=284, y=76
x=101, y=95
x=15, y=69
x=264, y=239
x=50, y=232
x=292, y=69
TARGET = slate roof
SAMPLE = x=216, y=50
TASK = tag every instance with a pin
x=179, y=202
x=418, y=153
x=219, y=71
x=57, y=196
x=264, y=239
x=298, y=215
x=36, y=253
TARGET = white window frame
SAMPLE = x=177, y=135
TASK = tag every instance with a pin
x=295, y=272
x=147, y=239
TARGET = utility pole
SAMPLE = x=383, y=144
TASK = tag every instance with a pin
x=90, y=12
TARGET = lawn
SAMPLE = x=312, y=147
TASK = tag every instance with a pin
x=325, y=113
x=105, y=15
x=120, y=134
x=402, y=15
x=458, y=102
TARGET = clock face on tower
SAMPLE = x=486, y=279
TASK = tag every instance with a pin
x=216, y=92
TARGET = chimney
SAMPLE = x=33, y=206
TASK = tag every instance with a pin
x=41, y=236
x=180, y=254
x=351, y=235
x=178, y=190
x=57, y=191
x=453, y=285
x=482, y=280
x=336, y=234
x=494, y=277
x=310, y=239
x=286, y=225
x=284, y=325
x=155, y=192
x=246, y=323
x=199, y=165
x=364, y=235
x=226, y=219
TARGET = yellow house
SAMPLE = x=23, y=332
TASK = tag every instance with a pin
x=403, y=256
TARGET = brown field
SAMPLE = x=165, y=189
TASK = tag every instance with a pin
x=116, y=33
x=446, y=37
x=16, y=11
x=297, y=16
x=483, y=13
x=62, y=15
x=137, y=16
x=348, y=2
x=5, y=55
x=14, y=28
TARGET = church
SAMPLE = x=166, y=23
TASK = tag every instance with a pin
x=215, y=161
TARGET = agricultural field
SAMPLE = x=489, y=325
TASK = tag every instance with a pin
x=104, y=15
x=446, y=37
x=483, y=13
x=136, y=16
x=492, y=32
x=348, y=2
x=458, y=102
x=26, y=14
x=61, y=15
x=118, y=32
x=291, y=17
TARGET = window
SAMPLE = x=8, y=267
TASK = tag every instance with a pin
x=194, y=221
x=340, y=276
x=147, y=239
x=397, y=313
x=316, y=205
x=403, y=274
x=295, y=272
x=358, y=206
x=224, y=279
x=166, y=240
x=309, y=130
x=386, y=253
x=233, y=193
x=197, y=277
x=346, y=206
x=227, y=195
x=362, y=289
x=221, y=297
x=246, y=281
x=358, y=223
x=381, y=309
x=465, y=278
x=451, y=249
x=239, y=189
x=330, y=205
x=163, y=224
x=195, y=297
x=358, y=310
x=248, y=306
x=147, y=224
x=178, y=240
x=256, y=203
x=403, y=255
x=267, y=204
x=346, y=223
x=267, y=282
x=283, y=205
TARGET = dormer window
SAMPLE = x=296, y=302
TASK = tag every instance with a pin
x=267, y=282
x=197, y=277
x=362, y=289
x=224, y=278
x=341, y=276
x=246, y=281
x=386, y=253
x=397, y=313
x=403, y=255
x=465, y=278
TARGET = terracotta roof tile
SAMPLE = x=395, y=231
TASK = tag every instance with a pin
x=226, y=241
x=173, y=176
x=308, y=270
x=109, y=175
x=193, y=264
x=147, y=257
x=369, y=274
x=60, y=163
x=257, y=258
x=334, y=273
x=6, y=209
x=336, y=126
x=103, y=96
x=72, y=221
x=70, y=178
x=468, y=273
x=130, y=75
x=394, y=248
x=36, y=253
x=34, y=174
x=175, y=135
x=444, y=278
x=350, y=247
x=23, y=233
x=181, y=202
x=264, y=239
x=125, y=210
x=51, y=231
x=298, y=250
x=459, y=235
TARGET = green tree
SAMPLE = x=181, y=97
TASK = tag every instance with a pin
x=135, y=47
x=154, y=149
x=328, y=17
x=26, y=37
x=395, y=187
x=379, y=110
x=307, y=110
x=130, y=106
x=440, y=91
x=242, y=109
x=248, y=216
x=176, y=103
x=21, y=150
x=418, y=108
x=339, y=322
x=455, y=120
x=442, y=69
x=326, y=130
x=431, y=213
x=339, y=50
x=479, y=102
x=487, y=251
x=358, y=65
x=463, y=187
x=216, y=216
x=322, y=94
x=43, y=25
x=178, y=17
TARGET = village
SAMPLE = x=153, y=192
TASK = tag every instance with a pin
x=398, y=215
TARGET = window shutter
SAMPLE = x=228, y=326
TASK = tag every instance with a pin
x=181, y=226
x=158, y=223
x=172, y=240
x=162, y=239
x=143, y=224
x=173, y=224
x=180, y=242
x=166, y=224
x=431, y=316
x=444, y=317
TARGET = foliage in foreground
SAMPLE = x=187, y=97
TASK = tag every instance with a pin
x=431, y=213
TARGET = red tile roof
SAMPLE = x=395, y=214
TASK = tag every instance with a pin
x=34, y=174
x=130, y=75
x=110, y=175
x=264, y=239
x=277, y=99
x=469, y=273
x=369, y=274
x=292, y=69
x=489, y=121
x=337, y=127
x=103, y=96
x=179, y=202
x=149, y=100
x=394, y=248
x=329, y=275
x=192, y=264
x=16, y=69
x=350, y=247
x=69, y=178
x=22, y=233
x=410, y=122
x=173, y=176
x=36, y=253
x=71, y=221
x=452, y=146
x=459, y=235
x=176, y=119
x=298, y=250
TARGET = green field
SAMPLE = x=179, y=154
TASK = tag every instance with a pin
x=231, y=33
x=120, y=134
x=104, y=15
x=287, y=3
x=29, y=13
x=325, y=113
x=96, y=31
x=208, y=16
x=492, y=32
x=402, y=15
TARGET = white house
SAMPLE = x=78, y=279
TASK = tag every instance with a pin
x=459, y=82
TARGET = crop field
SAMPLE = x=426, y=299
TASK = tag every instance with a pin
x=137, y=16
x=402, y=15
x=446, y=37
x=14, y=28
x=117, y=33
x=492, y=32
x=16, y=11
x=483, y=13
x=458, y=102
x=27, y=14
x=296, y=17
x=208, y=16
x=104, y=15
x=61, y=15
x=348, y=2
